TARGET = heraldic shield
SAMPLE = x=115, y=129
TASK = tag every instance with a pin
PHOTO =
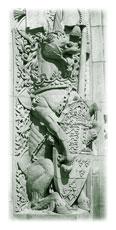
x=76, y=123
x=55, y=125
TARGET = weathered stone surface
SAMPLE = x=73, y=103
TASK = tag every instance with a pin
x=96, y=18
x=54, y=125
x=97, y=38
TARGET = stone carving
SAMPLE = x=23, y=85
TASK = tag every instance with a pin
x=54, y=124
